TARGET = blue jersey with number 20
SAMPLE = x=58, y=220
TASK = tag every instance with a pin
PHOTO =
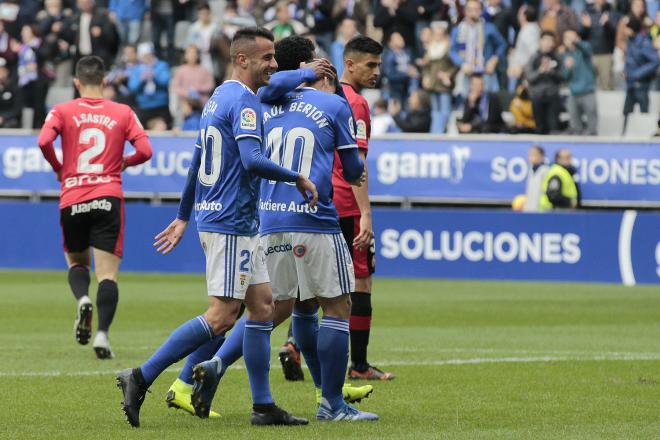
x=302, y=132
x=226, y=193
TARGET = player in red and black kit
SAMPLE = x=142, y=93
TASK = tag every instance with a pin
x=93, y=132
x=362, y=60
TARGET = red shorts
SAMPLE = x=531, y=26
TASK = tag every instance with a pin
x=364, y=260
x=98, y=223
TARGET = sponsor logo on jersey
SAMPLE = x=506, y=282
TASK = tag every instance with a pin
x=81, y=208
x=361, y=130
x=248, y=119
x=86, y=179
x=208, y=206
x=278, y=249
x=299, y=250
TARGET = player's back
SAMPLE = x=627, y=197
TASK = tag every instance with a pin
x=302, y=132
x=226, y=193
x=93, y=132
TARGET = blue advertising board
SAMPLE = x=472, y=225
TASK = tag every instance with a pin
x=463, y=169
x=619, y=247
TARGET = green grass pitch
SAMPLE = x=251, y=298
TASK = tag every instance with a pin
x=473, y=360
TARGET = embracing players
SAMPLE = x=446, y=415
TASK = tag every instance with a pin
x=304, y=249
x=223, y=186
x=93, y=132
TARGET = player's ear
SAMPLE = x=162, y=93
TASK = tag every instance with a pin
x=76, y=83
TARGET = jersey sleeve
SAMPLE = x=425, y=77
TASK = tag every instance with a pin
x=49, y=132
x=247, y=117
x=362, y=123
x=136, y=135
x=344, y=127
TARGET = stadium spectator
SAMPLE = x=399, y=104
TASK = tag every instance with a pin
x=10, y=99
x=417, y=119
x=398, y=69
x=544, y=76
x=347, y=30
x=192, y=84
x=482, y=111
x=438, y=72
x=202, y=34
x=637, y=9
x=357, y=10
x=397, y=16
x=95, y=34
x=284, y=24
x=149, y=82
x=381, y=121
x=117, y=78
x=55, y=25
x=476, y=46
x=504, y=20
x=521, y=109
x=580, y=76
x=559, y=189
x=527, y=43
x=641, y=65
x=245, y=11
x=598, y=27
x=161, y=13
x=128, y=15
x=537, y=171
x=6, y=50
x=558, y=18
x=191, y=110
x=32, y=78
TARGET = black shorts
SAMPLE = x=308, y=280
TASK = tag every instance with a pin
x=364, y=260
x=98, y=223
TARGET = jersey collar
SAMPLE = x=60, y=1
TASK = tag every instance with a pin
x=244, y=86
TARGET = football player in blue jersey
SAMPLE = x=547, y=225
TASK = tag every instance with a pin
x=304, y=249
x=223, y=186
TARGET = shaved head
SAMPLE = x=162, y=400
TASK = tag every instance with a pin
x=245, y=41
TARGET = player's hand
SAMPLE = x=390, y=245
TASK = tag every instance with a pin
x=305, y=185
x=170, y=236
x=363, y=239
x=322, y=68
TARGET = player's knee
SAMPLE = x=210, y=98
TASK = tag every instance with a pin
x=220, y=323
x=261, y=311
x=307, y=307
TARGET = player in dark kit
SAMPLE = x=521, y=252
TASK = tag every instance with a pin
x=93, y=132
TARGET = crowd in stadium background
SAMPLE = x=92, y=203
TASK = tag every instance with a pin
x=483, y=61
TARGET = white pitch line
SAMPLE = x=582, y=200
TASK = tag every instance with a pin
x=627, y=357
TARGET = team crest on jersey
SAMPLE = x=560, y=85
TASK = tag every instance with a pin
x=361, y=129
x=299, y=250
x=248, y=119
x=243, y=278
x=351, y=126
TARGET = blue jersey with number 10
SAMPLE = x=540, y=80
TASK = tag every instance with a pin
x=226, y=193
x=302, y=132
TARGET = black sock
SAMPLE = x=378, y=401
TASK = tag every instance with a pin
x=360, y=325
x=106, y=303
x=79, y=280
x=263, y=407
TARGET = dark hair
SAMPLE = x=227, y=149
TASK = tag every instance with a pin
x=548, y=34
x=203, y=5
x=476, y=75
x=531, y=13
x=90, y=70
x=248, y=34
x=293, y=50
x=424, y=99
x=362, y=44
x=539, y=149
x=634, y=23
